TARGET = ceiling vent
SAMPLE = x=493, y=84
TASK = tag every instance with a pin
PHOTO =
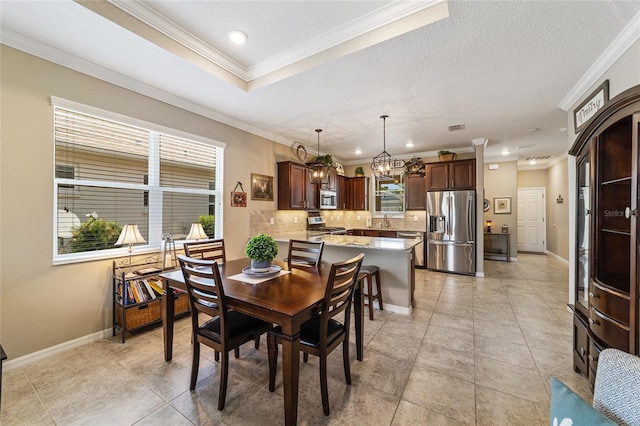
x=539, y=157
x=456, y=127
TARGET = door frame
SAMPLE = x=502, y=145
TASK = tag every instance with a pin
x=544, y=217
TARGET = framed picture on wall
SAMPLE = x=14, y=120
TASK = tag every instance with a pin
x=261, y=187
x=502, y=205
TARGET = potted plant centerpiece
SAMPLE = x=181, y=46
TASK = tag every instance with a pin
x=261, y=249
x=359, y=171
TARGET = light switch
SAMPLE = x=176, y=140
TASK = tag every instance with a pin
x=295, y=220
x=272, y=221
x=415, y=218
x=358, y=217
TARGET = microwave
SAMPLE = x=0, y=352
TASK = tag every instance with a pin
x=328, y=199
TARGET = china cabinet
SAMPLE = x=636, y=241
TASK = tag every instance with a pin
x=607, y=233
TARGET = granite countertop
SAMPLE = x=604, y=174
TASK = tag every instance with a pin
x=379, y=243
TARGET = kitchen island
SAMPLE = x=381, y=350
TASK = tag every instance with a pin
x=394, y=257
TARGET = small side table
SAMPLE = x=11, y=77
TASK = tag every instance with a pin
x=3, y=356
x=497, y=245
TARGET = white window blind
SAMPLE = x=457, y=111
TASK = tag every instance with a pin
x=109, y=173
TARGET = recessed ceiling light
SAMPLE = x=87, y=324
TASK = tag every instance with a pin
x=533, y=130
x=532, y=162
x=237, y=37
x=409, y=144
x=358, y=151
x=505, y=152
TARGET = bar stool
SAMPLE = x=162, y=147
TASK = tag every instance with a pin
x=368, y=272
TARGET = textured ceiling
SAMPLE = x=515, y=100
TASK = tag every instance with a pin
x=501, y=68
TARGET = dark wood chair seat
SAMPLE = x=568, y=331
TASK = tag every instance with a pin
x=321, y=334
x=225, y=330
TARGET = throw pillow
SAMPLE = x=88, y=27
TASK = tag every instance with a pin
x=569, y=409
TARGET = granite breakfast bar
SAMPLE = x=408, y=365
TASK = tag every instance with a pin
x=394, y=257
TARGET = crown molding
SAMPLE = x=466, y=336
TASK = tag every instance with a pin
x=282, y=65
x=48, y=53
x=629, y=35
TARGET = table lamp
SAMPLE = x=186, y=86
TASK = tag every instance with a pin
x=489, y=226
x=197, y=232
x=130, y=235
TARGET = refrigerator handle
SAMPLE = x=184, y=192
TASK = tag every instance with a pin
x=469, y=219
x=449, y=215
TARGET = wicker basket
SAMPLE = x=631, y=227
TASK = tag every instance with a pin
x=141, y=315
x=181, y=303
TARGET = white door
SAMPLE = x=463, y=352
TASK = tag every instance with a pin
x=531, y=221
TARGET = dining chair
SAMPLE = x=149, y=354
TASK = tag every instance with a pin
x=321, y=334
x=304, y=253
x=224, y=329
x=206, y=249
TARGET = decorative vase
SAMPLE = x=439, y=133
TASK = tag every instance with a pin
x=260, y=265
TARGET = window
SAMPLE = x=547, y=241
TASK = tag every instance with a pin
x=113, y=170
x=389, y=195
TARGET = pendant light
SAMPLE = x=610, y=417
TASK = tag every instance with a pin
x=383, y=164
x=318, y=172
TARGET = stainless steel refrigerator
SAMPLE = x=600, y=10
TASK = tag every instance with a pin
x=451, y=231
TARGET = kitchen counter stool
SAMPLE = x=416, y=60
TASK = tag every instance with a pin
x=368, y=272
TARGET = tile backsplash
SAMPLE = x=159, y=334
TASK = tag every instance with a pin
x=285, y=221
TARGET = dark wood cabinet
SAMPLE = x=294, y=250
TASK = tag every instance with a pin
x=607, y=232
x=358, y=193
x=342, y=192
x=295, y=191
x=580, y=346
x=415, y=192
x=451, y=175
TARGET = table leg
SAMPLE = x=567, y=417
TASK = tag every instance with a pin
x=168, y=309
x=358, y=309
x=290, y=378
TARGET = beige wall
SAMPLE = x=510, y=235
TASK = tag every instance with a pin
x=42, y=305
x=533, y=178
x=503, y=183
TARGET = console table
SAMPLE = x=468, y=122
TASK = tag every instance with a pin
x=497, y=245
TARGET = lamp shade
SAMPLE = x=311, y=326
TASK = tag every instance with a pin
x=197, y=232
x=130, y=235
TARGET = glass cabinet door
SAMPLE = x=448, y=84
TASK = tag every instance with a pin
x=583, y=179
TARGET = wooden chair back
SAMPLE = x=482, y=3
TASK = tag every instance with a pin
x=339, y=293
x=305, y=253
x=206, y=294
x=206, y=249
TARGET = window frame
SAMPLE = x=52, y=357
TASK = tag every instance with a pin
x=155, y=242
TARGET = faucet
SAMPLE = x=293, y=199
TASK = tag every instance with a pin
x=387, y=224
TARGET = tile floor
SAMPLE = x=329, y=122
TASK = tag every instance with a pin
x=474, y=351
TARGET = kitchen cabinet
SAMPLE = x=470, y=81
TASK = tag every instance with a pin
x=342, y=192
x=451, y=175
x=415, y=192
x=295, y=190
x=607, y=233
x=358, y=193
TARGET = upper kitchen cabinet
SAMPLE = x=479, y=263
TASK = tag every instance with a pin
x=451, y=175
x=415, y=192
x=607, y=232
x=358, y=193
x=295, y=191
x=342, y=192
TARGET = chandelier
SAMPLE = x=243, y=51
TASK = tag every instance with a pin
x=318, y=171
x=383, y=164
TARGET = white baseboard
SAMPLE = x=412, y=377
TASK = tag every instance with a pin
x=54, y=350
x=393, y=308
x=552, y=254
x=479, y=274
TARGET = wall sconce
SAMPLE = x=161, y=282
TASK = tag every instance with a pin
x=197, y=232
x=489, y=226
x=559, y=200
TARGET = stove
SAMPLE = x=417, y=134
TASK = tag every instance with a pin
x=317, y=224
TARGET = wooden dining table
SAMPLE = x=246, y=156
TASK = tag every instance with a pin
x=287, y=300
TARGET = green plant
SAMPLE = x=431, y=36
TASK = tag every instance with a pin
x=261, y=247
x=96, y=234
x=444, y=152
x=208, y=223
x=326, y=159
x=359, y=170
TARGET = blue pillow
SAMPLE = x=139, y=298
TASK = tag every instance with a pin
x=568, y=409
